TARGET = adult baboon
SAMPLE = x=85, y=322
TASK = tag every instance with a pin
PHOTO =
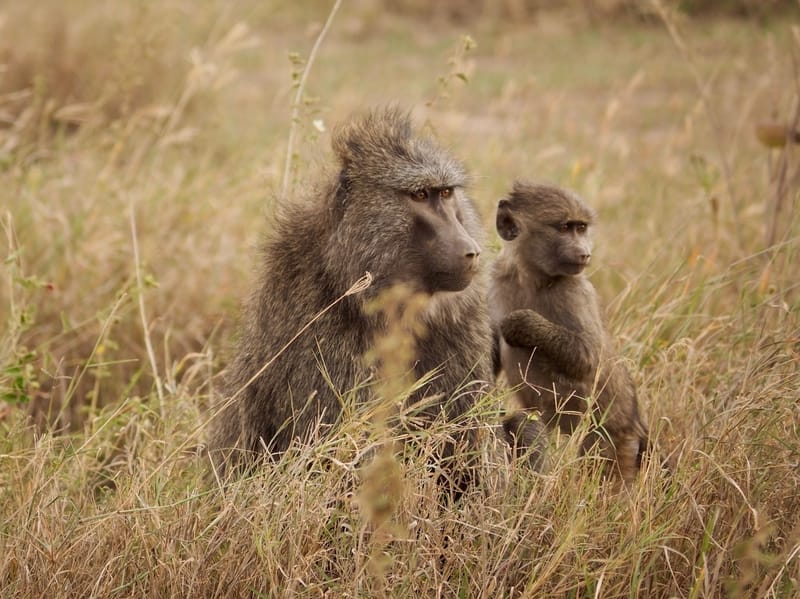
x=395, y=208
x=551, y=340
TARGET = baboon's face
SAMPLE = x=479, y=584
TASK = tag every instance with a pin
x=550, y=234
x=400, y=210
x=442, y=255
x=566, y=244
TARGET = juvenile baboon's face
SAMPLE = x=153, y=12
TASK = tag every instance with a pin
x=549, y=229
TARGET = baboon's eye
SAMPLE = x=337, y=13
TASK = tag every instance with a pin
x=445, y=192
x=581, y=227
x=420, y=195
x=563, y=227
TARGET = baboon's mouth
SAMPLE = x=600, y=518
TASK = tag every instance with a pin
x=452, y=281
x=575, y=267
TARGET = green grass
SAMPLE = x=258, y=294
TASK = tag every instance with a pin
x=103, y=488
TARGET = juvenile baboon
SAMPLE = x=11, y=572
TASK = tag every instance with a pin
x=396, y=208
x=550, y=337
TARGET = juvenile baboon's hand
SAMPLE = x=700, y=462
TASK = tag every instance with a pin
x=570, y=351
x=523, y=328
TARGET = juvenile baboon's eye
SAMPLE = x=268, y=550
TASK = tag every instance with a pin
x=563, y=227
x=420, y=195
x=445, y=192
x=581, y=227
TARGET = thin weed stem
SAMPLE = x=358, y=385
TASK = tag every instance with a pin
x=143, y=314
x=298, y=96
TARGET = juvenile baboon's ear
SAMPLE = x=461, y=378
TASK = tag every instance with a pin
x=507, y=225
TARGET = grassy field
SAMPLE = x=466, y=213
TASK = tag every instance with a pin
x=142, y=146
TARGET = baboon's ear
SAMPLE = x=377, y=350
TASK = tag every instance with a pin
x=507, y=225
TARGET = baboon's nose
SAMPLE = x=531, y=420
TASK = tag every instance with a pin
x=473, y=252
x=464, y=245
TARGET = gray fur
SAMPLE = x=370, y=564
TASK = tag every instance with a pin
x=358, y=221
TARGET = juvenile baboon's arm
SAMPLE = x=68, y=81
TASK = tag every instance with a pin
x=497, y=365
x=570, y=351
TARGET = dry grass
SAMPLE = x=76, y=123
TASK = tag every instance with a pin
x=110, y=111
